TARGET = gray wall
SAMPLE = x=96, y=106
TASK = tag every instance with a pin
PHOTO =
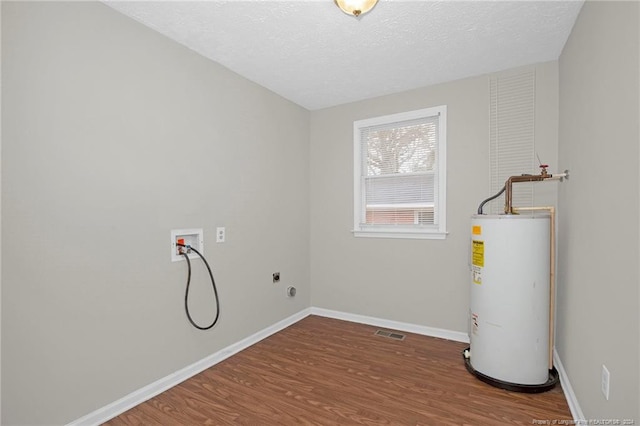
x=417, y=281
x=598, y=279
x=113, y=135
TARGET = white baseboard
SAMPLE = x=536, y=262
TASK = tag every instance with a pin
x=456, y=336
x=572, y=401
x=143, y=394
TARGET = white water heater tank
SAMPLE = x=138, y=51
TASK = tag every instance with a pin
x=509, y=306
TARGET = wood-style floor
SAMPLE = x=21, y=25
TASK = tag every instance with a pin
x=322, y=371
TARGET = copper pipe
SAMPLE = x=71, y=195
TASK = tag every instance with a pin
x=508, y=196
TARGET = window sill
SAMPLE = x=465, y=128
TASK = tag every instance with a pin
x=435, y=235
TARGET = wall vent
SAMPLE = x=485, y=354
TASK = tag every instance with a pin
x=512, y=135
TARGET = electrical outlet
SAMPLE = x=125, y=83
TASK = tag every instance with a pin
x=605, y=382
x=220, y=234
x=276, y=277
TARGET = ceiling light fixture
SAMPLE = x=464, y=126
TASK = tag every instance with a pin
x=355, y=7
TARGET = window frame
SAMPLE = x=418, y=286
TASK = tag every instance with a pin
x=438, y=231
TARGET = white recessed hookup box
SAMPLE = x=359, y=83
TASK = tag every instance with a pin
x=189, y=237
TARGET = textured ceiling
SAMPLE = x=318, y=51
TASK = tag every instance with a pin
x=311, y=53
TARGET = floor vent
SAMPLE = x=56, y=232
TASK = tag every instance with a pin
x=390, y=334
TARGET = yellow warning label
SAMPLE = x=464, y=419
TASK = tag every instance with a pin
x=476, y=230
x=477, y=256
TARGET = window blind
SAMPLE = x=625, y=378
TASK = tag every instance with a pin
x=399, y=173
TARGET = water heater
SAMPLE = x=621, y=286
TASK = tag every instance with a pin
x=509, y=301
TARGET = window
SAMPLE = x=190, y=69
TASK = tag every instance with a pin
x=400, y=175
